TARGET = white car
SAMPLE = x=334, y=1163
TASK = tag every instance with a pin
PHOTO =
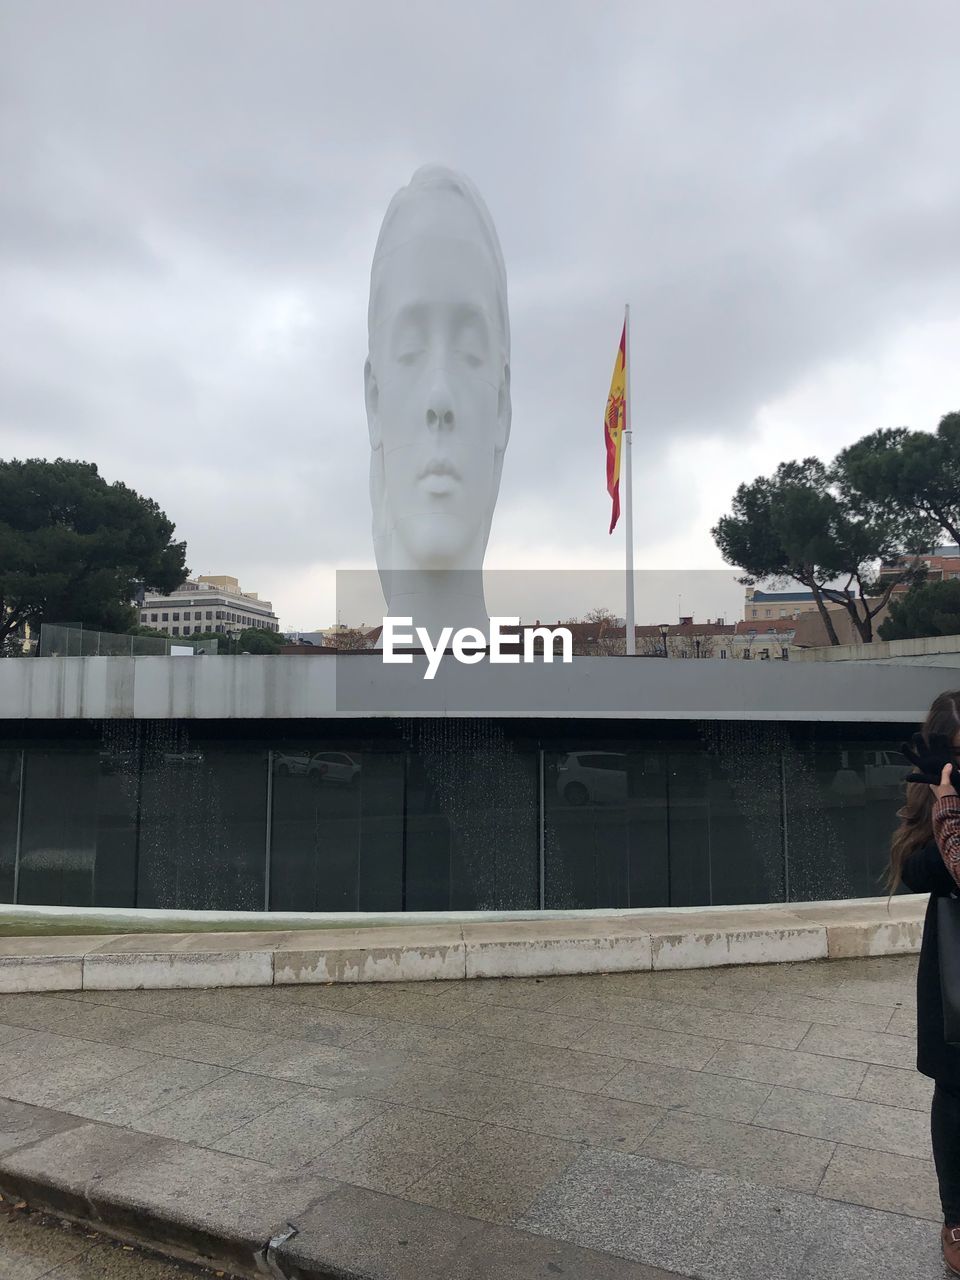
x=335, y=766
x=597, y=777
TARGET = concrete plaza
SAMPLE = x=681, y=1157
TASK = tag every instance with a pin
x=751, y=1123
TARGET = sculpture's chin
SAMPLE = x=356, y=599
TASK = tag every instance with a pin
x=437, y=542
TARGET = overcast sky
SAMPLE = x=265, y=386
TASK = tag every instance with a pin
x=191, y=194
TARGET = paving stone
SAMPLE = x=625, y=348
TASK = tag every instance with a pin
x=35, y=1052
x=647, y=1044
x=723, y=1227
x=901, y=1184
x=200, y=1042
x=745, y=1028
x=903, y=1023
x=789, y=1067
x=432, y=1044
x=775, y=1159
x=358, y=1232
x=361, y=1232
x=21, y=1125
x=578, y=1117
x=539, y=1064
x=414, y=1007
x=495, y=1175
x=504, y=1253
x=889, y=992
x=833, y=1013
x=896, y=1087
x=68, y=1076
x=524, y=1024
x=432, y=1088
x=332, y=996
x=848, y=1120
x=700, y=987
x=125, y=1098
x=863, y=1046
x=299, y=1130
x=395, y=1149
x=695, y=1091
x=82, y=1021
x=230, y=1100
x=10, y=1033
x=323, y=1066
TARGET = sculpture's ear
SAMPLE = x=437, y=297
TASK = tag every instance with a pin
x=372, y=396
x=504, y=410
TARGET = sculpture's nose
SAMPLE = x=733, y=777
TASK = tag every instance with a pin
x=439, y=404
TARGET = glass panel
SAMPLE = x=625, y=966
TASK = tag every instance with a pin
x=586, y=831
x=202, y=826
x=471, y=818
x=79, y=828
x=842, y=798
x=9, y=806
x=605, y=827
x=744, y=811
x=337, y=835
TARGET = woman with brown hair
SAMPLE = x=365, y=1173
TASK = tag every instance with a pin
x=925, y=855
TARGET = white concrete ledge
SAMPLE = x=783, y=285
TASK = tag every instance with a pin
x=437, y=948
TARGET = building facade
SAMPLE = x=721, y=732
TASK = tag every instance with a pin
x=208, y=604
x=344, y=784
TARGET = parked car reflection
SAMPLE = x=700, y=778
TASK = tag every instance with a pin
x=331, y=767
x=592, y=777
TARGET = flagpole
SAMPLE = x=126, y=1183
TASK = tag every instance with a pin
x=628, y=489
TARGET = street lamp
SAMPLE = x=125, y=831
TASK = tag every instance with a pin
x=664, y=629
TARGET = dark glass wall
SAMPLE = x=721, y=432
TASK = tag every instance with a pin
x=426, y=815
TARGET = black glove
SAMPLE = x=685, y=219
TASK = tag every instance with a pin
x=929, y=757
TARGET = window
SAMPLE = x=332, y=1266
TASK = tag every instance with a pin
x=219, y=618
x=723, y=653
x=196, y=616
x=783, y=613
x=753, y=613
x=209, y=614
x=196, y=631
x=785, y=654
x=176, y=617
x=767, y=613
x=153, y=617
x=176, y=631
x=166, y=617
x=143, y=617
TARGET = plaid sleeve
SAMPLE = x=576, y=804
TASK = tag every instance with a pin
x=946, y=832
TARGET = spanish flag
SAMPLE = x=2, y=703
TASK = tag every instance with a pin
x=613, y=424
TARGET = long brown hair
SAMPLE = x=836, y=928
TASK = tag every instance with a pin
x=916, y=822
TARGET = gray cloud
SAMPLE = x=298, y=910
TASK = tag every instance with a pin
x=192, y=195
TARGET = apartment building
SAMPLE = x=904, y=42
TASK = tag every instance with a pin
x=208, y=603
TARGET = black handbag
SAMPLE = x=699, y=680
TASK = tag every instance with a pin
x=948, y=944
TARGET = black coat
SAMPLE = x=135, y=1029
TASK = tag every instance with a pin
x=925, y=872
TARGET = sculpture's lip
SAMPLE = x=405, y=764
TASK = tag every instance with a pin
x=439, y=467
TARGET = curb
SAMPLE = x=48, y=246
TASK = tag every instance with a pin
x=678, y=938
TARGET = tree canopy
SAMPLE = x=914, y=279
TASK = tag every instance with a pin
x=927, y=609
x=75, y=548
x=916, y=471
x=812, y=524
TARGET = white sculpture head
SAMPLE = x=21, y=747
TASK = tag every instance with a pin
x=437, y=377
